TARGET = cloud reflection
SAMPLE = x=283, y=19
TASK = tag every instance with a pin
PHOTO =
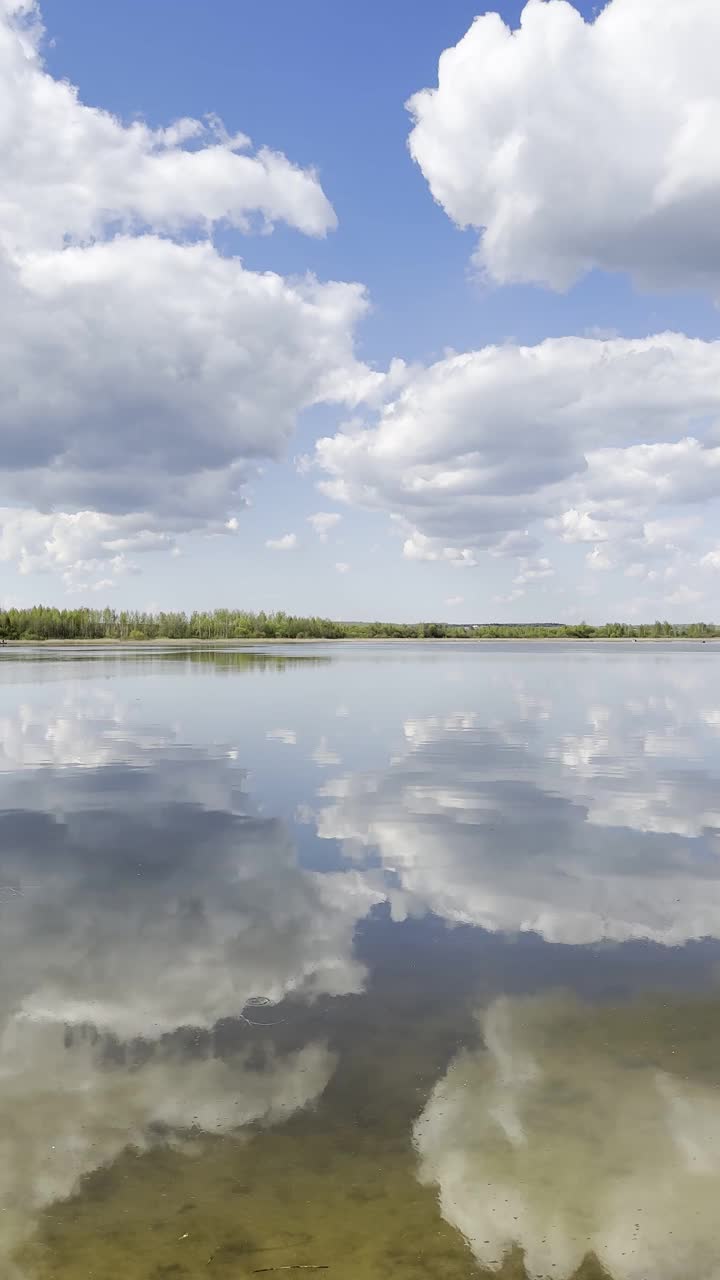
x=144, y=894
x=66, y=1109
x=578, y=1130
x=519, y=825
x=140, y=895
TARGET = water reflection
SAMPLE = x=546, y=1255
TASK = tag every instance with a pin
x=579, y=839
x=69, y=1105
x=108, y=927
x=227, y=661
x=139, y=895
x=577, y=1130
x=250, y=660
x=284, y=968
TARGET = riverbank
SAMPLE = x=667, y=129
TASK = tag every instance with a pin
x=111, y=642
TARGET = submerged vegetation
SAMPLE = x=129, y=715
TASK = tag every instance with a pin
x=46, y=623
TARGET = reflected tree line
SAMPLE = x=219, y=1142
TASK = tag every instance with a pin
x=46, y=623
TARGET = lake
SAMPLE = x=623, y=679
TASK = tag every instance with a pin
x=360, y=960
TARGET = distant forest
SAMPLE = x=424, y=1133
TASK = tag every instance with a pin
x=45, y=623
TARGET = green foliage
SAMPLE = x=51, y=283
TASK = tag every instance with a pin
x=46, y=623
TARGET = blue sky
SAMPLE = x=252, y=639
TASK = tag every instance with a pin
x=326, y=85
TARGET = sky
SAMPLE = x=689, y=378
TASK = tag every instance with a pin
x=396, y=311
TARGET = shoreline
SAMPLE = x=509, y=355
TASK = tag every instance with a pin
x=193, y=642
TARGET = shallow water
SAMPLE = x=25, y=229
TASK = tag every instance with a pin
x=362, y=961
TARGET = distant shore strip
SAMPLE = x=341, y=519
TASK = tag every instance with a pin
x=46, y=623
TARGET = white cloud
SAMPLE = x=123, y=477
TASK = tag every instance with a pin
x=323, y=521
x=71, y=170
x=578, y=526
x=635, y=570
x=342, y=566
x=155, y=374
x=510, y=597
x=683, y=470
x=77, y=544
x=420, y=547
x=598, y=559
x=533, y=570
x=684, y=595
x=586, y=440
x=518, y=543
x=288, y=542
x=572, y=145
x=144, y=376
x=452, y=601
x=671, y=534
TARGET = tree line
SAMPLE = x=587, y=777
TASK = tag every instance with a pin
x=43, y=622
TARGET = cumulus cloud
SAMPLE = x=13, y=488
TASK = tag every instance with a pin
x=579, y=1131
x=74, y=171
x=288, y=542
x=587, y=440
x=143, y=374
x=78, y=544
x=421, y=547
x=578, y=526
x=533, y=570
x=323, y=521
x=684, y=595
x=520, y=140
x=518, y=543
x=598, y=560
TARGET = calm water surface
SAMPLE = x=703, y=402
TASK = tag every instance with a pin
x=371, y=960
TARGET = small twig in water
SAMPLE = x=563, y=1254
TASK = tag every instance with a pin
x=294, y=1266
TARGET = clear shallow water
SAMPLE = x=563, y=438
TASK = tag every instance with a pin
x=391, y=960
